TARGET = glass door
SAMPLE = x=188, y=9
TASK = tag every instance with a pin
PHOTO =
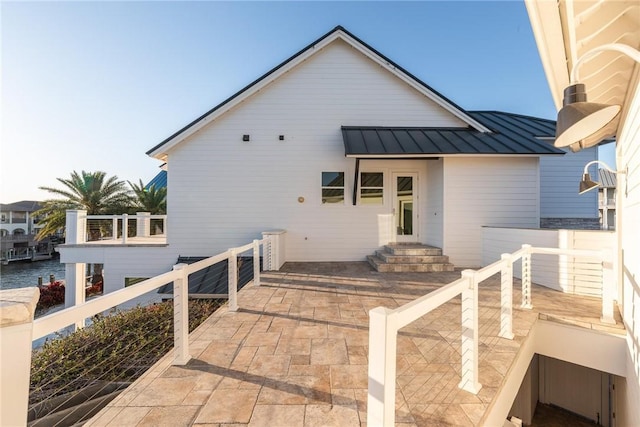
x=405, y=206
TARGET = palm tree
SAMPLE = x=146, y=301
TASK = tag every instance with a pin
x=91, y=191
x=152, y=199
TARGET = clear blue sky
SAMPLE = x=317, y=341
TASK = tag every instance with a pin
x=92, y=86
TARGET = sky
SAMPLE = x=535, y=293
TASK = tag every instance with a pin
x=94, y=85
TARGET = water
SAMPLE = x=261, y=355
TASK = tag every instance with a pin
x=25, y=274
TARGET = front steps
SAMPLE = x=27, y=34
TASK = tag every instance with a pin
x=409, y=257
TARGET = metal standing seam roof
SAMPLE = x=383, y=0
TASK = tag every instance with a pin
x=607, y=179
x=512, y=134
x=160, y=180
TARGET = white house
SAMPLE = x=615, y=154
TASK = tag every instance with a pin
x=347, y=152
x=596, y=43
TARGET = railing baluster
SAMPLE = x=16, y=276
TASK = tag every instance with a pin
x=114, y=228
x=526, y=277
x=381, y=404
x=470, y=334
x=506, y=297
x=125, y=228
x=181, y=316
x=232, y=271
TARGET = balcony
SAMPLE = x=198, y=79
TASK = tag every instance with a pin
x=304, y=346
x=141, y=229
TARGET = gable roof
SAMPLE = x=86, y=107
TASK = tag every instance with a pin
x=337, y=33
x=511, y=134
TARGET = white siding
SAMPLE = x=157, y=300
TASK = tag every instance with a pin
x=559, y=180
x=486, y=191
x=582, y=275
x=628, y=150
x=223, y=192
x=433, y=216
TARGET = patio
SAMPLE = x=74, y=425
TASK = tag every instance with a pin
x=295, y=353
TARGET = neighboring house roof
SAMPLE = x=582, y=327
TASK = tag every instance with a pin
x=22, y=206
x=607, y=179
x=160, y=180
x=213, y=280
x=511, y=134
x=337, y=33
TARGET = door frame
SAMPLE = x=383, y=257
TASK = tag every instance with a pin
x=395, y=206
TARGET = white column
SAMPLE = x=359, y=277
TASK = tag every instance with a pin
x=506, y=297
x=125, y=228
x=278, y=248
x=75, y=227
x=232, y=275
x=181, y=316
x=256, y=262
x=17, y=307
x=470, y=334
x=143, y=224
x=114, y=227
x=608, y=289
x=605, y=209
x=74, y=286
x=381, y=399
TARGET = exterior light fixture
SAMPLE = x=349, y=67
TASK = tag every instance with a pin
x=583, y=124
x=587, y=184
x=246, y=138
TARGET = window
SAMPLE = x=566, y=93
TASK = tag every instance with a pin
x=371, y=188
x=332, y=187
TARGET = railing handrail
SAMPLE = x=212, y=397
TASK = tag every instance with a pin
x=53, y=322
x=133, y=216
x=386, y=323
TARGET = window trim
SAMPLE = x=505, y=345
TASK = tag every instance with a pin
x=324, y=187
x=363, y=187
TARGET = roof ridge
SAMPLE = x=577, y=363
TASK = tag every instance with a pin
x=463, y=114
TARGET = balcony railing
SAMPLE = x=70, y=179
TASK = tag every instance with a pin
x=118, y=229
x=384, y=324
x=18, y=337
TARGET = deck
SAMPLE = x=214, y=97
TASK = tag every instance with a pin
x=295, y=354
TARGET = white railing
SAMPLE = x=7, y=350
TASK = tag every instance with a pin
x=384, y=323
x=82, y=228
x=76, y=315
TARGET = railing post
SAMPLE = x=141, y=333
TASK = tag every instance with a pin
x=114, y=228
x=506, y=297
x=17, y=307
x=470, y=334
x=233, y=280
x=607, y=291
x=256, y=262
x=381, y=399
x=181, y=316
x=143, y=224
x=267, y=250
x=526, y=277
x=125, y=228
x=76, y=226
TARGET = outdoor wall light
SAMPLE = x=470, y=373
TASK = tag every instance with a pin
x=587, y=184
x=583, y=124
x=246, y=138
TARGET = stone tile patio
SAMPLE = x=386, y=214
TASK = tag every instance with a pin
x=295, y=354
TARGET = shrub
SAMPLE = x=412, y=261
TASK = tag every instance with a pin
x=50, y=295
x=119, y=347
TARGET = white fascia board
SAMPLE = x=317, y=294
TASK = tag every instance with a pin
x=161, y=151
x=413, y=84
x=547, y=30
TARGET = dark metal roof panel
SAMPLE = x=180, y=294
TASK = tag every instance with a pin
x=607, y=179
x=401, y=141
x=160, y=180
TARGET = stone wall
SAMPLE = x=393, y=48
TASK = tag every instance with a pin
x=571, y=223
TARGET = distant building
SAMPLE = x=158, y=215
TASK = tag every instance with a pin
x=607, y=199
x=17, y=218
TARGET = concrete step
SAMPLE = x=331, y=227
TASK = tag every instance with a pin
x=413, y=249
x=392, y=258
x=383, y=267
